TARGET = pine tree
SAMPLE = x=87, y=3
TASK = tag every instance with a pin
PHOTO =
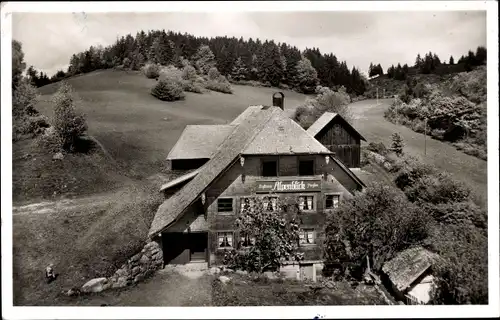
x=204, y=59
x=239, y=71
x=371, y=70
x=418, y=62
x=452, y=61
x=397, y=144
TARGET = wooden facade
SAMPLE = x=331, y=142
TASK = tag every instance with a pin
x=341, y=138
x=238, y=183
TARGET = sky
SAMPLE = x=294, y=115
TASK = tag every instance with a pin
x=49, y=39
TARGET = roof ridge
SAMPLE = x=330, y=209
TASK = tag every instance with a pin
x=261, y=126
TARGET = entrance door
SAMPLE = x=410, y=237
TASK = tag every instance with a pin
x=198, y=246
x=175, y=247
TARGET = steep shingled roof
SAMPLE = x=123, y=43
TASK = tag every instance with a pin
x=246, y=114
x=284, y=136
x=199, y=141
x=227, y=153
x=324, y=120
x=408, y=266
x=179, y=180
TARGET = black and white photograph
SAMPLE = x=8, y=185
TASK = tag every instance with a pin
x=340, y=157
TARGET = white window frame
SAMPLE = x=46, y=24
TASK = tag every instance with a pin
x=304, y=233
x=270, y=202
x=242, y=237
x=314, y=202
x=338, y=194
x=225, y=212
x=226, y=232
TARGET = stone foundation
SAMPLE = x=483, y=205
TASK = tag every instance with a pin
x=137, y=268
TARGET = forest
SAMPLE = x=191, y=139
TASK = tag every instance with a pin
x=268, y=62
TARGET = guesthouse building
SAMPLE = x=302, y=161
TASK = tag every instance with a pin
x=262, y=153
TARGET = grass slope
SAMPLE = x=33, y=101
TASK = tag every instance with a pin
x=137, y=129
x=374, y=127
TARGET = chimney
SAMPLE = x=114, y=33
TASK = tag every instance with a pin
x=279, y=100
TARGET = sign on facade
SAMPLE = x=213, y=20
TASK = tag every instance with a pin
x=288, y=186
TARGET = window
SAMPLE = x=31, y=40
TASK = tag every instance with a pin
x=247, y=241
x=306, y=236
x=270, y=203
x=225, y=205
x=225, y=240
x=306, y=167
x=270, y=168
x=247, y=204
x=306, y=203
x=332, y=201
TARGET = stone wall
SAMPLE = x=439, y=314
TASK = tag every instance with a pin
x=136, y=269
x=139, y=267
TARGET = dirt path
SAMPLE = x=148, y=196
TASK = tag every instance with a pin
x=370, y=121
x=167, y=288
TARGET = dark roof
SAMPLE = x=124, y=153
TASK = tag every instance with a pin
x=325, y=119
x=199, y=141
x=407, y=266
x=349, y=172
x=227, y=153
x=179, y=180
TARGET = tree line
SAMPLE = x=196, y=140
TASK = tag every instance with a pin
x=429, y=63
x=253, y=60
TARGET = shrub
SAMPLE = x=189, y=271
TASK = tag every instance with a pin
x=326, y=100
x=168, y=90
x=49, y=141
x=377, y=148
x=461, y=272
x=438, y=188
x=189, y=73
x=376, y=223
x=192, y=86
x=411, y=171
x=24, y=99
x=151, y=70
x=171, y=73
x=213, y=74
x=68, y=124
x=220, y=85
x=464, y=213
x=126, y=63
x=36, y=125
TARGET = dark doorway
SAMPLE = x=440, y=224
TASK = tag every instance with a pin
x=198, y=246
x=182, y=248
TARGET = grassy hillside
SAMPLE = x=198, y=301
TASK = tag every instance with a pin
x=137, y=129
x=455, y=108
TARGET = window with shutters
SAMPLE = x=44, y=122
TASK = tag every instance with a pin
x=247, y=203
x=225, y=205
x=306, y=237
x=225, y=240
x=246, y=241
x=306, y=203
x=270, y=203
x=332, y=201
